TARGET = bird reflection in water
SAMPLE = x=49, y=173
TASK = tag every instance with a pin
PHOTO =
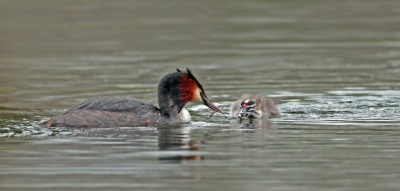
x=254, y=132
x=176, y=144
x=253, y=123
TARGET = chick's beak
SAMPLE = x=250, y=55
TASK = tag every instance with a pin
x=242, y=113
x=209, y=104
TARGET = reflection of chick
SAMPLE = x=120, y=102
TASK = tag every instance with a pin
x=253, y=106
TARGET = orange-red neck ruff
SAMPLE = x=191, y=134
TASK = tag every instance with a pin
x=187, y=88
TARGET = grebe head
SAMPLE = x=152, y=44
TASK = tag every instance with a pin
x=182, y=87
x=248, y=109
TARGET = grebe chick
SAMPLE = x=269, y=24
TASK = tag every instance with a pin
x=174, y=91
x=253, y=106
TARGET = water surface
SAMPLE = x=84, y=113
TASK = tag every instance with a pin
x=332, y=68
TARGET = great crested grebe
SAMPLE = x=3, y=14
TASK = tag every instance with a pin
x=174, y=91
x=253, y=106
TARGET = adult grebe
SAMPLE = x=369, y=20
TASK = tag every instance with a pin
x=174, y=91
x=253, y=106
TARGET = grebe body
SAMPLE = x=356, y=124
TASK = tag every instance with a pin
x=174, y=91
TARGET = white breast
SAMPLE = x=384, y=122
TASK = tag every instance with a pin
x=184, y=115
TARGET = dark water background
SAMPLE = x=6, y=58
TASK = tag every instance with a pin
x=333, y=68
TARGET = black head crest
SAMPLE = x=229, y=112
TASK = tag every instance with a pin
x=191, y=76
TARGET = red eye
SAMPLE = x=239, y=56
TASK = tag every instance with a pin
x=244, y=104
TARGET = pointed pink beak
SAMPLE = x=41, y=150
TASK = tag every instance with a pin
x=209, y=104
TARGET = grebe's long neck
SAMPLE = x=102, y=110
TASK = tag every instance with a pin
x=168, y=97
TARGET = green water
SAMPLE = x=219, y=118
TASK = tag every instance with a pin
x=332, y=67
